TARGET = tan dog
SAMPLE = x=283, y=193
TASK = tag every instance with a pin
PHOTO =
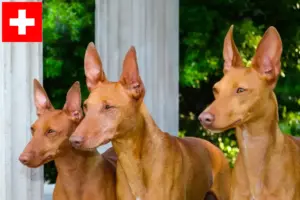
x=268, y=165
x=82, y=175
x=157, y=165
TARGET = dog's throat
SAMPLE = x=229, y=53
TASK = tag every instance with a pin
x=128, y=151
x=253, y=171
x=134, y=175
x=131, y=154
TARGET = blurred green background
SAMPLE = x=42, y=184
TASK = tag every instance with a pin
x=69, y=27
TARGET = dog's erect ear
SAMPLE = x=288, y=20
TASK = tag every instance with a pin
x=73, y=102
x=130, y=78
x=93, y=67
x=267, y=57
x=41, y=100
x=231, y=54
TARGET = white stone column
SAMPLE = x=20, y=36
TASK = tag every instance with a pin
x=19, y=64
x=152, y=26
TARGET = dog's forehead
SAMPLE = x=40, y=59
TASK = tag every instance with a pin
x=50, y=118
x=112, y=92
x=239, y=77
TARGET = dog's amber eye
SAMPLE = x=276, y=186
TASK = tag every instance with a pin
x=107, y=107
x=32, y=130
x=215, y=90
x=85, y=106
x=239, y=90
x=50, y=131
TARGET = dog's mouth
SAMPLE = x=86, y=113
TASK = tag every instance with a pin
x=86, y=148
x=90, y=144
x=213, y=129
x=48, y=159
x=35, y=164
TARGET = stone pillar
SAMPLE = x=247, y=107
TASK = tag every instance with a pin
x=152, y=26
x=19, y=64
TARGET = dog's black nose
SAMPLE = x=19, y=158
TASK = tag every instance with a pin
x=76, y=141
x=206, y=118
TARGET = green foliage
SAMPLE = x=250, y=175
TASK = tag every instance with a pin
x=229, y=147
x=68, y=26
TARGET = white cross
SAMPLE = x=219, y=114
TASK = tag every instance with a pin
x=21, y=22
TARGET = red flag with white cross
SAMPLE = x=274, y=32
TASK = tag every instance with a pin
x=22, y=22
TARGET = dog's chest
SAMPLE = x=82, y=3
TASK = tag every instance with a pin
x=285, y=192
x=276, y=182
x=166, y=182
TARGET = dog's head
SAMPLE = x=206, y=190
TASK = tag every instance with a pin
x=244, y=93
x=112, y=108
x=52, y=129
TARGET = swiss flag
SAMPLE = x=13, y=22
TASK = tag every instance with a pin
x=21, y=21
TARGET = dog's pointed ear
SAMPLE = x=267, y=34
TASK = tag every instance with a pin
x=267, y=56
x=93, y=67
x=73, y=102
x=130, y=78
x=41, y=100
x=231, y=54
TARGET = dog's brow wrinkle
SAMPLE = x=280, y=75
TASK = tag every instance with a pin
x=234, y=85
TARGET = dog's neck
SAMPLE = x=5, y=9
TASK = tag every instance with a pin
x=75, y=165
x=258, y=139
x=135, y=150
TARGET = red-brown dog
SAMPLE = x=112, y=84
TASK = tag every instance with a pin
x=82, y=175
x=268, y=164
x=156, y=165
